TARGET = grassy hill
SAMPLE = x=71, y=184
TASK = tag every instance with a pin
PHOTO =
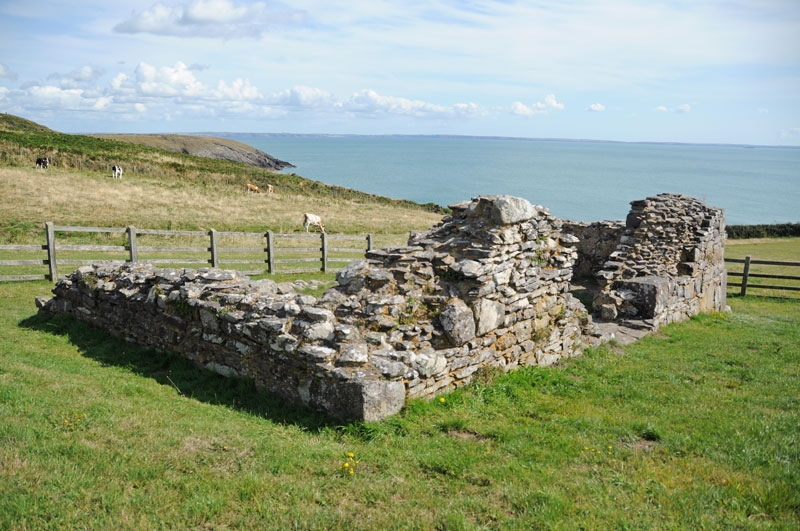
x=205, y=146
x=164, y=189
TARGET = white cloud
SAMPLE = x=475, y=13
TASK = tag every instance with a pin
x=80, y=77
x=102, y=103
x=369, y=101
x=167, y=81
x=5, y=73
x=3, y=92
x=550, y=104
x=596, y=107
x=762, y=110
x=49, y=96
x=86, y=73
x=118, y=80
x=680, y=109
x=301, y=96
x=240, y=90
x=209, y=18
x=140, y=107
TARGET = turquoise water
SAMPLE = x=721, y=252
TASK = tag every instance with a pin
x=583, y=180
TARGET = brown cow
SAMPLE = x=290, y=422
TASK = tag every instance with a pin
x=253, y=188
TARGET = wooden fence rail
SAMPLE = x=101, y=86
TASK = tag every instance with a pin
x=747, y=275
x=276, y=245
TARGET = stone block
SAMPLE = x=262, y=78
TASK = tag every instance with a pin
x=489, y=315
x=458, y=322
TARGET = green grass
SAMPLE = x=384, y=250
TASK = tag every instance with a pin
x=778, y=249
x=701, y=420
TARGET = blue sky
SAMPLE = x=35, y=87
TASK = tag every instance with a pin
x=683, y=71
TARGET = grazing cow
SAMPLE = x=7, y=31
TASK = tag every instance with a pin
x=116, y=172
x=43, y=162
x=312, y=219
x=270, y=189
x=253, y=188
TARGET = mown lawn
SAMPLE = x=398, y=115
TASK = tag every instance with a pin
x=777, y=249
x=698, y=426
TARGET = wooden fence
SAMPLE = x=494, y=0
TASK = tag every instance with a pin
x=747, y=275
x=268, y=255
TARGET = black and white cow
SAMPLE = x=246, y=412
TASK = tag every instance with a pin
x=43, y=162
x=116, y=172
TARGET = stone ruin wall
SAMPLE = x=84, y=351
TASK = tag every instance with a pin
x=669, y=264
x=597, y=240
x=488, y=286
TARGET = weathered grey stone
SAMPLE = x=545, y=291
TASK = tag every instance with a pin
x=429, y=364
x=317, y=352
x=458, y=322
x=318, y=314
x=351, y=271
x=284, y=288
x=264, y=286
x=224, y=370
x=319, y=331
x=273, y=324
x=389, y=368
x=355, y=354
x=468, y=268
x=488, y=316
x=42, y=302
x=507, y=210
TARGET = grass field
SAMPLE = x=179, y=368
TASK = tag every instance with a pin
x=778, y=249
x=696, y=426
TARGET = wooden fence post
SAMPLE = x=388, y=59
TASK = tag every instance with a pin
x=132, y=244
x=51, y=251
x=214, y=257
x=369, y=242
x=745, y=274
x=270, y=252
x=324, y=238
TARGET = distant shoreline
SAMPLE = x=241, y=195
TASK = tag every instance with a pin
x=485, y=137
x=235, y=134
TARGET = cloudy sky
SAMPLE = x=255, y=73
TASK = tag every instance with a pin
x=723, y=71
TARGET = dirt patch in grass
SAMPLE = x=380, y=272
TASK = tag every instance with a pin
x=466, y=435
x=642, y=445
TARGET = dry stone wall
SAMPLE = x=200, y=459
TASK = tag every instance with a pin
x=597, y=240
x=488, y=286
x=669, y=263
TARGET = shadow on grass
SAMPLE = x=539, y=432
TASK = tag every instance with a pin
x=174, y=371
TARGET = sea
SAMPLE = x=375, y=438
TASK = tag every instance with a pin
x=578, y=180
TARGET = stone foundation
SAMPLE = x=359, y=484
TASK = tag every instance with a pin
x=488, y=286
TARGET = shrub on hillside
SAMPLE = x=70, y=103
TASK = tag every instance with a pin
x=777, y=230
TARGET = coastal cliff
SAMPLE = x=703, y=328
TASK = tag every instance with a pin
x=205, y=146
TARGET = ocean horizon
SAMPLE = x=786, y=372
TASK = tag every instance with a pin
x=576, y=179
